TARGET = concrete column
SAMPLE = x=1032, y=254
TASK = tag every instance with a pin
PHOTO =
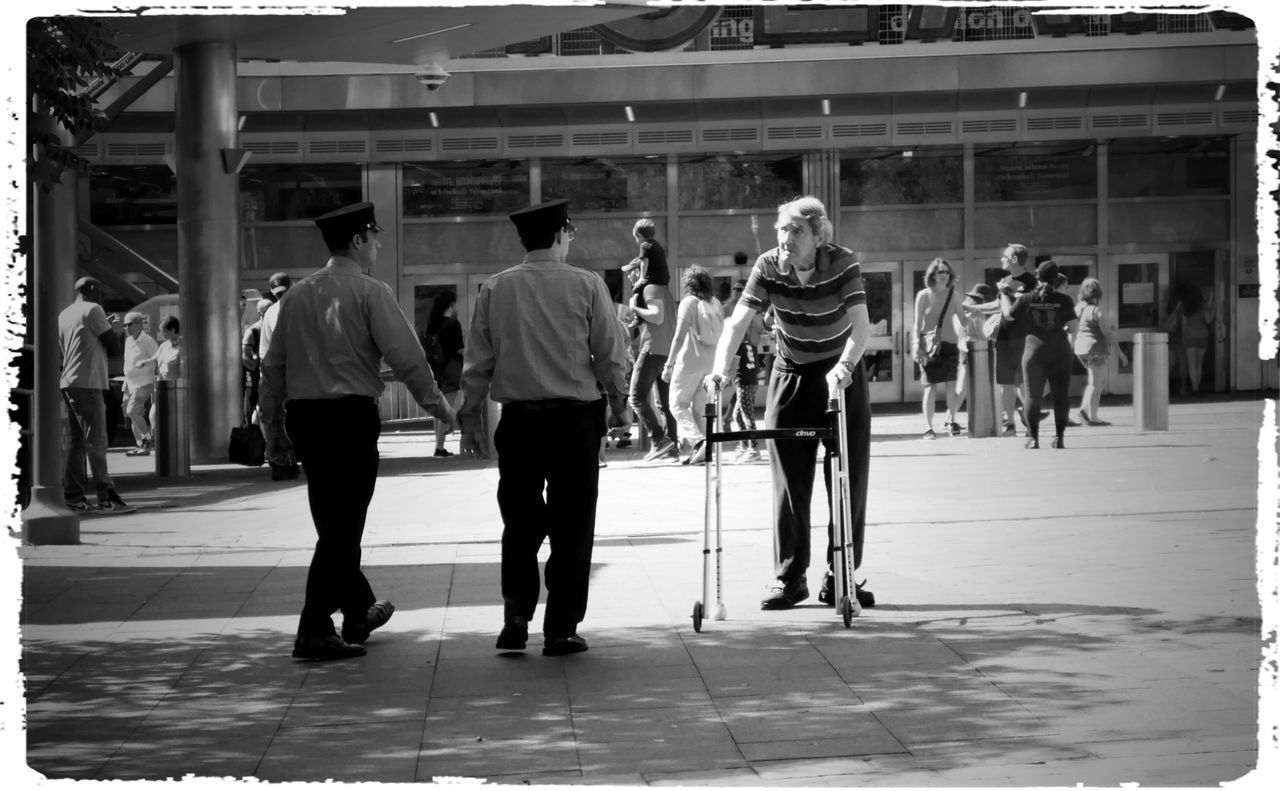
x=208, y=243
x=47, y=520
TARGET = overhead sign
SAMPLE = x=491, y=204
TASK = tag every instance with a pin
x=660, y=30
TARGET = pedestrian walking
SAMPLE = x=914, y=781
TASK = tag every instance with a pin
x=321, y=378
x=1093, y=344
x=139, y=382
x=936, y=344
x=699, y=323
x=1047, y=321
x=821, y=327
x=545, y=344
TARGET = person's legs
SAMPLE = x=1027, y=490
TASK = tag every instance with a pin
x=791, y=463
x=74, y=482
x=644, y=375
x=337, y=443
x=1034, y=375
x=135, y=408
x=90, y=413
x=572, y=491
x=683, y=391
x=1059, y=373
x=522, y=474
x=952, y=395
x=926, y=404
x=1195, y=367
x=1088, y=399
x=744, y=414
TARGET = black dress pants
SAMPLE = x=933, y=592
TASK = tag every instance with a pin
x=547, y=488
x=337, y=442
x=797, y=398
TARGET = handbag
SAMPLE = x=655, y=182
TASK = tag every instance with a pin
x=933, y=340
x=247, y=446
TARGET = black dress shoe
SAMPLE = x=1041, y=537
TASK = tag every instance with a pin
x=784, y=596
x=827, y=594
x=321, y=648
x=560, y=646
x=379, y=613
x=514, y=635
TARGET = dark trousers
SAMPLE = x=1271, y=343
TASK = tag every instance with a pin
x=644, y=376
x=1052, y=364
x=337, y=442
x=797, y=398
x=87, y=430
x=547, y=486
x=249, y=381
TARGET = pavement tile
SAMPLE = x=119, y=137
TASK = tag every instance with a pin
x=1109, y=638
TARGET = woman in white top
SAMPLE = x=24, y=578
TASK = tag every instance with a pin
x=1092, y=345
x=699, y=320
x=167, y=360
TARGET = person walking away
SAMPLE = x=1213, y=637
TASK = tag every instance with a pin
x=250, y=360
x=544, y=343
x=1093, y=345
x=443, y=339
x=1048, y=320
x=1198, y=324
x=139, y=382
x=85, y=340
x=1010, y=339
x=321, y=378
x=743, y=412
x=656, y=319
x=284, y=464
x=821, y=327
x=936, y=343
x=699, y=323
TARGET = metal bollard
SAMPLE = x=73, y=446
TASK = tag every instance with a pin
x=981, y=389
x=171, y=432
x=1151, y=381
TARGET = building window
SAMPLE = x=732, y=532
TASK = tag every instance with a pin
x=726, y=181
x=1182, y=166
x=601, y=184
x=433, y=189
x=133, y=195
x=280, y=193
x=1049, y=173
x=902, y=178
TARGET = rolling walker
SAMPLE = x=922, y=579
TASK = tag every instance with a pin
x=845, y=590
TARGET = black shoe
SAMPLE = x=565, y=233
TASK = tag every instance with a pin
x=514, y=635
x=865, y=597
x=1057, y=443
x=379, y=613
x=284, y=472
x=441, y=453
x=561, y=646
x=955, y=429
x=625, y=442
x=321, y=648
x=1032, y=444
x=785, y=595
x=828, y=592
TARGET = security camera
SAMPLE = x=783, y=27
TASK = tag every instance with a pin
x=432, y=76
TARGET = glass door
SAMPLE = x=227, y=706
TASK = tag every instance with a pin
x=1135, y=290
x=884, y=355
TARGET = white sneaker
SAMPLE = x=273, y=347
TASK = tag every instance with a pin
x=747, y=456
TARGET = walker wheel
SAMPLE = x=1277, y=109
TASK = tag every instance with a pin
x=846, y=612
x=697, y=616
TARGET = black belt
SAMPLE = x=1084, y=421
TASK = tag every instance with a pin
x=549, y=403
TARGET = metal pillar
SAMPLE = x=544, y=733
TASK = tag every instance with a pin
x=984, y=409
x=1151, y=381
x=47, y=520
x=172, y=430
x=208, y=243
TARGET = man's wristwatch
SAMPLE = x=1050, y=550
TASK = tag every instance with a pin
x=848, y=366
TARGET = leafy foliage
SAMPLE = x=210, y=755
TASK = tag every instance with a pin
x=65, y=56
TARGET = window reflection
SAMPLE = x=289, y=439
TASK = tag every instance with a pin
x=133, y=195
x=727, y=181
x=1184, y=166
x=601, y=184
x=892, y=178
x=1139, y=287
x=274, y=193
x=462, y=188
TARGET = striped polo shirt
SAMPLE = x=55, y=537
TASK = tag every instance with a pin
x=811, y=321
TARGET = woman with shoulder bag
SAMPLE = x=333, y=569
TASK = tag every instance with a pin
x=937, y=343
x=1092, y=345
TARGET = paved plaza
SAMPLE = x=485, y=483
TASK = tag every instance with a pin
x=1046, y=618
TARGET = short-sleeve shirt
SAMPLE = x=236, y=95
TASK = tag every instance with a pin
x=1045, y=316
x=84, y=358
x=811, y=320
x=1013, y=330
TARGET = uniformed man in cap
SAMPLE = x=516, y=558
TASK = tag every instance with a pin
x=320, y=385
x=545, y=344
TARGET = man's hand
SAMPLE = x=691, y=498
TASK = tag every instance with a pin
x=448, y=420
x=469, y=445
x=838, y=378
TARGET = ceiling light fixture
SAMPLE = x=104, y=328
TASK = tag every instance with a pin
x=435, y=120
x=1022, y=99
x=826, y=107
x=631, y=115
x=1222, y=90
x=432, y=33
